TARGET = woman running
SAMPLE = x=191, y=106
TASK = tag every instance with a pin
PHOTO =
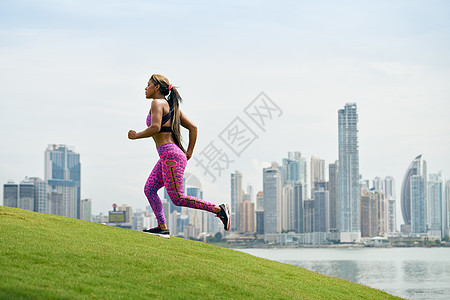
x=169, y=169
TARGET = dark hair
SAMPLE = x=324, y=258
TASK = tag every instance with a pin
x=174, y=100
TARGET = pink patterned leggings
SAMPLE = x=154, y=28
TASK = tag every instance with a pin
x=168, y=172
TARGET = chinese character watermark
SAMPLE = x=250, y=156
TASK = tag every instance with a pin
x=237, y=136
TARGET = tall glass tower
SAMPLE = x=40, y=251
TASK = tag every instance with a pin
x=236, y=200
x=272, y=199
x=63, y=175
x=348, y=206
x=414, y=196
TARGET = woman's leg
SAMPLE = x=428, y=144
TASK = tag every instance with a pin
x=153, y=184
x=173, y=164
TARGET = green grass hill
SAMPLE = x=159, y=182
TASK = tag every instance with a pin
x=47, y=256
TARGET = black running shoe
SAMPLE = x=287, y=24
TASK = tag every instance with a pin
x=224, y=215
x=165, y=233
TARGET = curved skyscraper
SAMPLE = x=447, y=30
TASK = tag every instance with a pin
x=413, y=194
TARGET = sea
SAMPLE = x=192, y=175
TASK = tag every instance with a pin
x=410, y=273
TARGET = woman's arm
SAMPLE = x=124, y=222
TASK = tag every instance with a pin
x=157, y=110
x=189, y=125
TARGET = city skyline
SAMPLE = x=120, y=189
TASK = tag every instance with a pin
x=390, y=58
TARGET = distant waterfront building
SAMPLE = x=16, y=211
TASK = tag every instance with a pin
x=10, y=194
x=236, y=200
x=272, y=199
x=447, y=211
x=321, y=210
x=294, y=170
x=259, y=213
x=348, y=207
x=40, y=195
x=63, y=175
x=299, y=208
x=308, y=223
x=259, y=201
x=333, y=193
x=249, y=223
x=86, y=210
x=410, y=205
x=378, y=184
x=418, y=204
x=435, y=204
x=317, y=171
x=373, y=213
x=128, y=212
x=19, y=195
x=391, y=209
x=287, y=207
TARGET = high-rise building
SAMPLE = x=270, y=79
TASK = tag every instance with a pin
x=40, y=195
x=299, y=208
x=435, y=204
x=294, y=170
x=378, y=184
x=86, y=210
x=10, y=194
x=259, y=213
x=248, y=213
x=391, y=209
x=272, y=199
x=236, y=200
x=63, y=175
x=19, y=195
x=308, y=213
x=333, y=193
x=447, y=202
x=128, y=212
x=348, y=206
x=287, y=209
x=317, y=171
x=418, y=204
x=321, y=210
x=373, y=213
x=389, y=187
x=259, y=201
x=418, y=167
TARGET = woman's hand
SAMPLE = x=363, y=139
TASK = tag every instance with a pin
x=188, y=154
x=132, y=135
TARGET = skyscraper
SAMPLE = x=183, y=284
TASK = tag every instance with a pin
x=435, y=204
x=299, y=208
x=10, y=194
x=348, y=205
x=321, y=210
x=19, y=195
x=391, y=209
x=447, y=210
x=236, y=200
x=373, y=213
x=294, y=170
x=272, y=199
x=317, y=170
x=40, y=195
x=418, y=204
x=63, y=176
x=333, y=195
x=418, y=167
x=86, y=210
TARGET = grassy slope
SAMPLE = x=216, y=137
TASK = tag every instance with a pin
x=47, y=256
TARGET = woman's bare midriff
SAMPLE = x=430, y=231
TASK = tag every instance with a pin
x=163, y=138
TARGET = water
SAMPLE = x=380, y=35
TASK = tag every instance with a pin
x=411, y=273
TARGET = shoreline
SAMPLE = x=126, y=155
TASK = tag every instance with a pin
x=350, y=246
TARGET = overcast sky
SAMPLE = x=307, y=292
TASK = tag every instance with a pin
x=74, y=72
